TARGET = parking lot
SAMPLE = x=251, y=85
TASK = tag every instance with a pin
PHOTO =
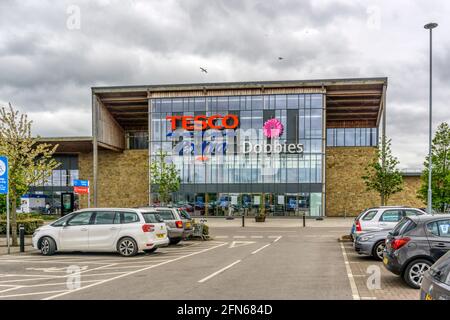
x=239, y=263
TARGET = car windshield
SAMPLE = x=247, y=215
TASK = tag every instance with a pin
x=166, y=214
x=184, y=214
x=60, y=221
x=403, y=226
x=360, y=214
x=441, y=269
x=152, y=217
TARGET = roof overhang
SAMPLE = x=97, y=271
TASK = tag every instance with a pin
x=349, y=102
x=71, y=144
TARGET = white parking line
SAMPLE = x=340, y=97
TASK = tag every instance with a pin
x=353, y=286
x=278, y=238
x=11, y=289
x=256, y=237
x=220, y=237
x=239, y=237
x=133, y=272
x=218, y=272
x=31, y=293
x=258, y=250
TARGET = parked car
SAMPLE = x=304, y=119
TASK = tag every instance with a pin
x=371, y=243
x=179, y=226
x=127, y=231
x=415, y=244
x=436, y=281
x=379, y=218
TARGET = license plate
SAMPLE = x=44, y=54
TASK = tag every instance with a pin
x=160, y=235
x=428, y=297
x=385, y=260
x=188, y=224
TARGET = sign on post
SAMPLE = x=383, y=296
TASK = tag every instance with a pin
x=82, y=187
x=4, y=189
x=3, y=175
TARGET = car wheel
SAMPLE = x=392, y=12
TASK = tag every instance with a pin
x=414, y=272
x=48, y=246
x=150, y=250
x=174, y=240
x=378, y=248
x=127, y=247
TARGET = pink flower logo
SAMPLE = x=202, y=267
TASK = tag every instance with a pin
x=273, y=128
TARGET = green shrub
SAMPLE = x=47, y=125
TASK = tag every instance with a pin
x=30, y=224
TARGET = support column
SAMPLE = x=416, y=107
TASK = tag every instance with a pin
x=324, y=158
x=150, y=110
x=95, y=148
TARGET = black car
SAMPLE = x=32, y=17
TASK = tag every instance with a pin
x=436, y=282
x=415, y=244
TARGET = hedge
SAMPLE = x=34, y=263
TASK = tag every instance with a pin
x=30, y=225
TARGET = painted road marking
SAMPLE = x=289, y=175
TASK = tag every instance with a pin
x=133, y=272
x=239, y=237
x=236, y=244
x=351, y=279
x=218, y=272
x=256, y=237
x=32, y=293
x=278, y=238
x=258, y=250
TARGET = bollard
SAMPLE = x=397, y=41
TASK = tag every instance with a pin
x=22, y=238
x=304, y=220
x=243, y=220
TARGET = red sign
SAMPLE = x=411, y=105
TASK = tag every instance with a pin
x=188, y=122
x=81, y=190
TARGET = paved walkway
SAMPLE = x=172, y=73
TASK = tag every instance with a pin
x=220, y=222
x=4, y=248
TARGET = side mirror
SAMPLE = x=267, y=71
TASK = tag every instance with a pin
x=64, y=224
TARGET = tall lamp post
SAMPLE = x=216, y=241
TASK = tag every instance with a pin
x=430, y=26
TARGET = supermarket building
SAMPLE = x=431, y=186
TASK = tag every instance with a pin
x=327, y=131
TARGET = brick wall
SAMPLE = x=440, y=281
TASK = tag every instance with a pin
x=346, y=191
x=122, y=177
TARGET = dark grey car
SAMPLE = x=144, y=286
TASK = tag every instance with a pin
x=415, y=244
x=371, y=243
x=436, y=282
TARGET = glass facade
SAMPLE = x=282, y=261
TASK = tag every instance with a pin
x=60, y=181
x=231, y=180
x=352, y=137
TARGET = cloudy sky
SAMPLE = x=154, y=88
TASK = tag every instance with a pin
x=52, y=52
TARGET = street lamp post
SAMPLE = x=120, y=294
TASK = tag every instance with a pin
x=430, y=26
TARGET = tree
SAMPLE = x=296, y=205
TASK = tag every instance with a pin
x=382, y=174
x=165, y=175
x=440, y=175
x=29, y=161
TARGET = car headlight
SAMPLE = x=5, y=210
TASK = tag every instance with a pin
x=365, y=238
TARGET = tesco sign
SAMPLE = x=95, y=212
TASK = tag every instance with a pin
x=229, y=121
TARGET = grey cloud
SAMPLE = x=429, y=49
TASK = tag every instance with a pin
x=47, y=69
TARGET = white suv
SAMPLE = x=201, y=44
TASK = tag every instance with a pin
x=127, y=231
x=379, y=218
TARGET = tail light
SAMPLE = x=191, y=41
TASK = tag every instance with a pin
x=148, y=227
x=358, y=226
x=398, y=243
x=179, y=224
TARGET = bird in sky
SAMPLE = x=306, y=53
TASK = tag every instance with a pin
x=203, y=70
x=280, y=58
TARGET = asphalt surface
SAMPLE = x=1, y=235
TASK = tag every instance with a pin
x=250, y=263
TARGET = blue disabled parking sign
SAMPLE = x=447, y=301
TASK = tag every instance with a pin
x=3, y=175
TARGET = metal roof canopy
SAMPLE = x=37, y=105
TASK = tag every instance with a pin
x=353, y=102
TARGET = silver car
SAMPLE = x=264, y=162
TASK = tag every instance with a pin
x=436, y=281
x=371, y=243
x=178, y=222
